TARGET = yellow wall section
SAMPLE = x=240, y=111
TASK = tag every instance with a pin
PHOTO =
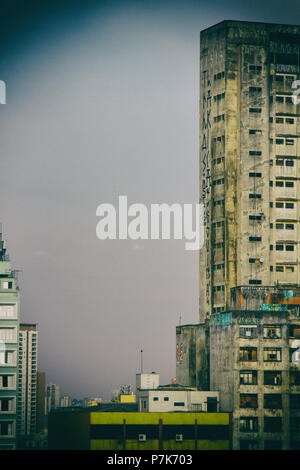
x=153, y=444
x=153, y=418
x=127, y=398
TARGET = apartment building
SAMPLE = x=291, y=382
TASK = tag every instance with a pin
x=27, y=382
x=251, y=356
x=249, y=159
x=9, y=335
x=52, y=398
x=254, y=364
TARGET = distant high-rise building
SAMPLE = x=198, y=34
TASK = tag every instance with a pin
x=9, y=336
x=249, y=159
x=52, y=399
x=40, y=401
x=65, y=401
x=27, y=387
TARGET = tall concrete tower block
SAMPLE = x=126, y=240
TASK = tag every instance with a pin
x=249, y=159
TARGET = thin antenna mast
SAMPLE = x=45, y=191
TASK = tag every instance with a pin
x=141, y=361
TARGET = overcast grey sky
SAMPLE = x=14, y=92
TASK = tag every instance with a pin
x=103, y=101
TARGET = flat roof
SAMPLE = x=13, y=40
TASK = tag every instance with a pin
x=224, y=22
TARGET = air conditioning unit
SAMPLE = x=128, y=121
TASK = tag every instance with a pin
x=142, y=437
x=179, y=438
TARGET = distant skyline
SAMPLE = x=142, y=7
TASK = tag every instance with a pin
x=102, y=101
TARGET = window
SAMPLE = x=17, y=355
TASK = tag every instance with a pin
x=289, y=269
x=166, y=398
x=255, y=131
x=248, y=354
x=248, y=331
x=254, y=239
x=218, y=118
x=7, y=285
x=255, y=281
x=254, y=217
x=279, y=247
x=6, y=428
x=7, y=311
x=248, y=400
x=249, y=424
x=7, y=404
x=272, y=377
x=280, y=226
x=272, y=424
x=178, y=403
x=255, y=110
x=246, y=444
x=289, y=247
x=272, y=445
x=219, y=75
x=289, y=205
x=155, y=398
x=8, y=333
x=272, y=354
x=254, y=153
x=295, y=424
x=294, y=331
x=295, y=377
x=295, y=401
x=272, y=401
x=255, y=68
x=279, y=141
x=248, y=377
x=254, y=89
x=289, y=163
x=254, y=196
x=219, y=96
x=254, y=175
x=279, y=205
x=272, y=331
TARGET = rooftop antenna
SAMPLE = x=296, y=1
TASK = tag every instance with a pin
x=141, y=361
x=179, y=320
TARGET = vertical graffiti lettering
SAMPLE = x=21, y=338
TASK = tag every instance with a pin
x=206, y=108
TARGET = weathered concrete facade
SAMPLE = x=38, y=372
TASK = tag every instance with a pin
x=249, y=159
x=192, y=357
x=253, y=366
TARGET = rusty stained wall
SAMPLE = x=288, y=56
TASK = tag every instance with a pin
x=186, y=355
